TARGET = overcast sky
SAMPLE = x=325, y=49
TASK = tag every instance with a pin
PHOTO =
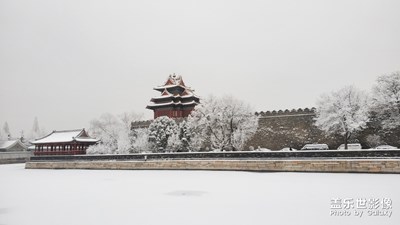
x=68, y=61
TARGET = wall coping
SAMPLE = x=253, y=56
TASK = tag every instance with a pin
x=329, y=154
x=326, y=166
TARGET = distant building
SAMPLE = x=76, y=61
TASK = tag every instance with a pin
x=12, y=146
x=67, y=142
x=176, y=100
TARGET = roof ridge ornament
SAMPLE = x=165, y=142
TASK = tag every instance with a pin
x=174, y=79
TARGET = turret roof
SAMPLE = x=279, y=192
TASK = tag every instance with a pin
x=175, y=90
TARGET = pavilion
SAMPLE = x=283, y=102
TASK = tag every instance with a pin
x=66, y=142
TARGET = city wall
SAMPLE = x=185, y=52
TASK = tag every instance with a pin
x=290, y=128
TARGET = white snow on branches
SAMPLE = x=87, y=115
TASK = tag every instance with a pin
x=344, y=111
x=386, y=100
x=114, y=133
x=225, y=123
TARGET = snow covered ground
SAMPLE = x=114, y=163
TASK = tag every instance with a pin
x=49, y=197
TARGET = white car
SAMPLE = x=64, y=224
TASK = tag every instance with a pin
x=353, y=146
x=288, y=149
x=384, y=147
x=315, y=147
x=262, y=150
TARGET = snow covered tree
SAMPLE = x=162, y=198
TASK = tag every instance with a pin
x=185, y=136
x=35, y=128
x=386, y=100
x=141, y=141
x=185, y=139
x=36, y=132
x=6, y=130
x=344, y=111
x=126, y=135
x=224, y=123
x=114, y=133
x=160, y=131
x=106, y=128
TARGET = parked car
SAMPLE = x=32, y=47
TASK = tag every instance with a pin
x=315, y=147
x=384, y=147
x=288, y=149
x=352, y=146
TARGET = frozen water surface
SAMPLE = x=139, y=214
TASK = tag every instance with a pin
x=49, y=197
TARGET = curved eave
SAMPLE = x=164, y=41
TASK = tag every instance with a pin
x=172, y=104
x=190, y=104
x=162, y=88
x=194, y=97
x=158, y=106
x=67, y=142
x=87, y=141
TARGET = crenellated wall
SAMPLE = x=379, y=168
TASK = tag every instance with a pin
x=141, y=124
x=289, y=128
x=300, y=111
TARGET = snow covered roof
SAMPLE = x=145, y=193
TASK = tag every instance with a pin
x=172, y=103
x=65, y=136
x=191, y=95
x=163, y=87
x=11, y=143
x=190, y=103
x=173, y=81
x=174, y=93
x=163, y=97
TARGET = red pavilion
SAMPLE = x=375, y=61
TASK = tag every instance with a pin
x=67, y=142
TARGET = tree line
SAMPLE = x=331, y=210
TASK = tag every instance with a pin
x=219, y=123
x=350, y=110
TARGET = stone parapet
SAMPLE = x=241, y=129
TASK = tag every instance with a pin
x=327, y=154
x=14, y=157
x=328, y=166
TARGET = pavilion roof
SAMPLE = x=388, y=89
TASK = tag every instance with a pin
x=65, y=136
x=11, y=143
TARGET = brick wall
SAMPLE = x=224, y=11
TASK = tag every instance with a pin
x=277, y=130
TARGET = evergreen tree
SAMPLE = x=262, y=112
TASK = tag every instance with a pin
x=160, y=131
x=35, y=133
